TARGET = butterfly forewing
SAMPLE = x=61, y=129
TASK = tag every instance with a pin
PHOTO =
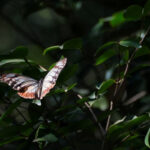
x=51, y=78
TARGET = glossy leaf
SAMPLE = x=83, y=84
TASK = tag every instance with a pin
x=126, y=43
x=51, y=48
x=12, y=61
x=117, y=19
x=147, y=139
x=105, y=56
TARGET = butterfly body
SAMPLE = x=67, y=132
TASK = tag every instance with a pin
x=30, y=88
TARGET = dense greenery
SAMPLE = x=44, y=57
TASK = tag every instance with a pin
x=101, y=100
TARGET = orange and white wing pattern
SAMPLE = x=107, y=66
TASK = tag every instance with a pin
x=25, y=86
x=51, y=78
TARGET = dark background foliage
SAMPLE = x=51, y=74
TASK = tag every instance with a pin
x=101, y=99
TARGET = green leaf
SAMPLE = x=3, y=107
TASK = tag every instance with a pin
x=47, y=138
x=73, y=44
x=118, y=129
x=126, y=55
x=142, y=51
x=71, y=86
x=51, y=48
x=106, y=45
x=105, y=85
x=117, y=19
x=9, y=140
x=100, y=103
x=67, y=73
x=7, y=61
x=19, y=52
x=147, y=8
x=10, y=109
x=126, y=43
x=133, y=13
x=147, y=139
x=105, y=56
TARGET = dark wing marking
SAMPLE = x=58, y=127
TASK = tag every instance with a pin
x=51, y=78
x=25, y=86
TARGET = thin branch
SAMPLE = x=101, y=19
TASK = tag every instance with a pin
x=101, y=130
x=109, y=117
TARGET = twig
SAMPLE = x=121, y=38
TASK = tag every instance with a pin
x=101, y=130
x=135, y=98
x=109, y=117
x=118, y=86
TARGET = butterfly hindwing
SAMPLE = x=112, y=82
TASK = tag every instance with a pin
x=51, y=78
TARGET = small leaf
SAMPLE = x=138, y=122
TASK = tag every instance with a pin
x=100, y=103
x=133, y=13
x=105, y=56
x=126, y=43
x=47, y=138
x=117, y=19
x=19, y=52
x=6, y=61
x=51, y=48
x=105, y=85
x=73, y=44
x=142, y=51
x=105, y=46
x=147, y=139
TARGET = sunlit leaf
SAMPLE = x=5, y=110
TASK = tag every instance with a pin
x=51, y=48
x=117, y=19
x=12, y=61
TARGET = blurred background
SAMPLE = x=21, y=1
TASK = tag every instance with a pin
x=98, y=38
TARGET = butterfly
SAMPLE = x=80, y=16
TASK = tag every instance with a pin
x=30, y=88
